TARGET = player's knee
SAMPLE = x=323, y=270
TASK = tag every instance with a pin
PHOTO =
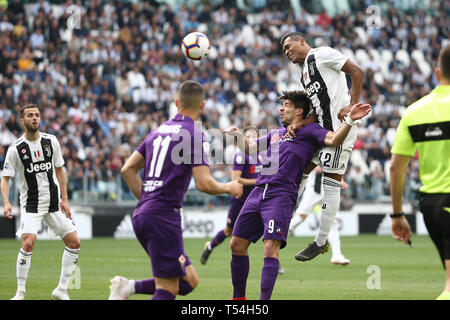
x=193, y=282
x=238, y=246
x=28, y=244
x=271, y=248
x=76, y=244
x=72, y=241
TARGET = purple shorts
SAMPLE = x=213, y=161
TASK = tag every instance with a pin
x=267, y=212
x=160, y=234
x=233, y=211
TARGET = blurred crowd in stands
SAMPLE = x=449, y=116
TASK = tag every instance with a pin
x=105, y=74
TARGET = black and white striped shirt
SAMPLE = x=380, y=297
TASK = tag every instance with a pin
x=35, y=161
x=326, y=84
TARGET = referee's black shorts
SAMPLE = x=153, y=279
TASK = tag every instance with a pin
x=437, y=220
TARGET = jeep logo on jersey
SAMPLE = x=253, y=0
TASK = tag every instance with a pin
x=41, y=166
x=313, y=88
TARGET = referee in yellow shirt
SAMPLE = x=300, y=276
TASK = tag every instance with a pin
x=425, y=127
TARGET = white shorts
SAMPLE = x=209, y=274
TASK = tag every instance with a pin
x=310, y=198
x=57, y=223
x=335, y=159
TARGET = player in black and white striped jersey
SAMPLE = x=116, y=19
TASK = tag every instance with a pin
x=37, y=159
x=323, y=77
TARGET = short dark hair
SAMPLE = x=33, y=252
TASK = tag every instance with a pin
x=299, y=98
x=27, y=106
x=293, y=36
x=190, y=94
x=444, y=62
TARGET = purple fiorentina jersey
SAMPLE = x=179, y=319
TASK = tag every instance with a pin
x=170, y=152
x=288, y=157
x=250, y=166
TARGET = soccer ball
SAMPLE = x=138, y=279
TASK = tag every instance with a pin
x=195, y=46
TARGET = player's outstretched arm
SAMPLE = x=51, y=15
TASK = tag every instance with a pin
x=207, y=184
x=357, y=112
x=7, y=208
x=130, y=172
x=244, y=144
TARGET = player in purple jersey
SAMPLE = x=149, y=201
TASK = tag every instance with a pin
x=246, y=169
x=170, y=155
x=268, y=209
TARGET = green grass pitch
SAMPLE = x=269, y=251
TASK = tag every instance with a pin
x=404, y=273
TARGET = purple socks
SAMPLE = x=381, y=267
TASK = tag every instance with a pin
x=268, y=277
x=218, y=239
x=240, y=266
x=161, y=294
x=147, y=286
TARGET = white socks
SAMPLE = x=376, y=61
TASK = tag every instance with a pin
x=330, y=206
x=295, y=222
x=22, y=268
x=334, y=239
x=69, y=262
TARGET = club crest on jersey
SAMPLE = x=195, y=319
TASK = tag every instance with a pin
x=275, y=138
x=48, y=150
x=182, y=261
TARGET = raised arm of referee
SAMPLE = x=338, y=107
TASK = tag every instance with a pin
x=425, y=128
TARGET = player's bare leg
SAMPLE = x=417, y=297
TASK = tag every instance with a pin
x=188, y=283
x=446, y=294
x=23, y=264
x=166, y=288
x=270, y=269
x=68, y=264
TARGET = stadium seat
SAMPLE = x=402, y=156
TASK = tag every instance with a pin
x=375, y=54
x=387, y=56
x=362, y=34
x=228, y=64
x=239, y=65
x=253, y=104
x=422, y=64
x=403, y=57
x=361, y=56
x=349, y=53
x=378, y=77
x=418, y=55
